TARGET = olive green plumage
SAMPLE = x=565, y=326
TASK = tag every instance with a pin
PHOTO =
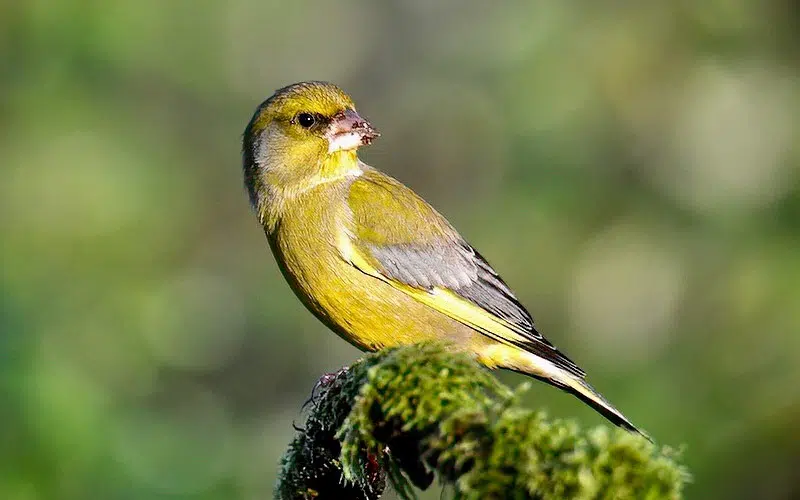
x=369, y=257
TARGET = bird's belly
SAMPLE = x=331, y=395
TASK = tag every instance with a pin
x=364, y=310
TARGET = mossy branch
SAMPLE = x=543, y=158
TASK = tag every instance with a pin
x=414, y=413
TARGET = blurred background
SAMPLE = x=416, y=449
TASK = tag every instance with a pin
x=631, y=169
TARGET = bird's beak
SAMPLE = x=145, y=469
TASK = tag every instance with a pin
x=348, y=130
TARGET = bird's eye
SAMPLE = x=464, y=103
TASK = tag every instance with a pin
x=306, y=120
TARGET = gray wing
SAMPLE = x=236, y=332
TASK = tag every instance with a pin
x=458, y=267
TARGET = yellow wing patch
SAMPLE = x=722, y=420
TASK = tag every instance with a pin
x=441, y=299
x=450, y=303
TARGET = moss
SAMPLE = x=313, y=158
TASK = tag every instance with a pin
x=417, y=413
x=311, y=467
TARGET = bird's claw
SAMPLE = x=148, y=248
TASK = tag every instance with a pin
x=323, y=382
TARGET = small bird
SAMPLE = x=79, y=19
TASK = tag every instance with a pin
x=370, y=258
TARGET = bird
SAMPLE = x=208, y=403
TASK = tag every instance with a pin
x=370, y=258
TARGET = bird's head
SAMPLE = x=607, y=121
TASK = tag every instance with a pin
x=303, y=133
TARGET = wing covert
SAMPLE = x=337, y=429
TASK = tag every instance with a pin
x=412, y=247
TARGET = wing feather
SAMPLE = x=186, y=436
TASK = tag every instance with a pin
x=413, y=248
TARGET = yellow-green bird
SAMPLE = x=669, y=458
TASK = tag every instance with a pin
x=370, y=258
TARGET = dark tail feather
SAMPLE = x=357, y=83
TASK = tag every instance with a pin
x=586, y=393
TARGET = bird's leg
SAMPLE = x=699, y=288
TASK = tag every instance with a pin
x=328, y=378
x=324, y=382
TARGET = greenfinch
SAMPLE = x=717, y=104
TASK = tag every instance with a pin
x=370, y=258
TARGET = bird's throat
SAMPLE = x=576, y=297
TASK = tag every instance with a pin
x=333, y=167
x=339, y=163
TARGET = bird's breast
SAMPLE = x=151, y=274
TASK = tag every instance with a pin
x=366, y=311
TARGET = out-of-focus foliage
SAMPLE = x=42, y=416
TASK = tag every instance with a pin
x=630, y=168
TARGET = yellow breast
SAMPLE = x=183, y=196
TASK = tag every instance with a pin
x=362, y=309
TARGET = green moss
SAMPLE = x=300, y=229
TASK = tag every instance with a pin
x=421, y=412
x=311, y=467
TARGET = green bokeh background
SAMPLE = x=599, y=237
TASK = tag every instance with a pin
x=630, y=168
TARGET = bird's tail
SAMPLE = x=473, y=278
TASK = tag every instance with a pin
x=586, y=393
x=535, y=366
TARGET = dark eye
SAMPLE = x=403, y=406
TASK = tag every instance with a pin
x=306, y=120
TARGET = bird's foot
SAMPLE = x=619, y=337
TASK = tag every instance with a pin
x=324, y=382
x=328, y=378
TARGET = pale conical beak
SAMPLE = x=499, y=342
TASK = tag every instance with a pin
x=348, y=130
